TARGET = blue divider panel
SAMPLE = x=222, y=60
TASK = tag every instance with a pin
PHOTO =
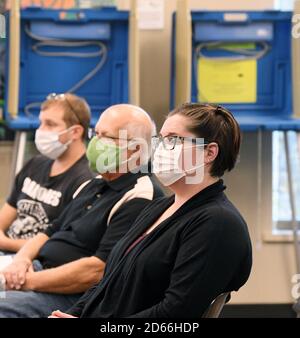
x=273, y=107
x=41, y=75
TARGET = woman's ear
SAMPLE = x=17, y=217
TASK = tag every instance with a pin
x=211, y=152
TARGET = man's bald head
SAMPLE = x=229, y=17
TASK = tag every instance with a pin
x=127, y=117
x=130, y=120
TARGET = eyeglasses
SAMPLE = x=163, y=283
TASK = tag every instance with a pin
x=92, y=133
x=63, y=97
x=169, y=142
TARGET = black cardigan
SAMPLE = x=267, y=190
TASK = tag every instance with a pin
x=202, y=250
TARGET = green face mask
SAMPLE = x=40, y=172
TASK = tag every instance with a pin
x=103, y=157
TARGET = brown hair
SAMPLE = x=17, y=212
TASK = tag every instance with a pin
x=76, y=109
x=214, y=124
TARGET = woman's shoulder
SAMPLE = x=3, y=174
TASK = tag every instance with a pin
x=216, y=215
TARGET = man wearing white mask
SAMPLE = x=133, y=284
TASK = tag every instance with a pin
x=48, y=181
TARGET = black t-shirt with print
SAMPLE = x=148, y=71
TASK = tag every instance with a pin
x=39, y=198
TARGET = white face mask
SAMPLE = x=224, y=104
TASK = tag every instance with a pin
x=48, y=144
x=166, y=164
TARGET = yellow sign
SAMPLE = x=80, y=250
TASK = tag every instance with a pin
x=227, y=81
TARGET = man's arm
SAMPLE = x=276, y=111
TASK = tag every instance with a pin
x=32, y=248
x=59, y=314
x=80, y=275
x=74, y=277
x=15, y=273
x=8, y=212
x=7, y=215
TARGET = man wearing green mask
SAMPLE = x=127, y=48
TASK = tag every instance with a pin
x=71, y=254
x=113, y=150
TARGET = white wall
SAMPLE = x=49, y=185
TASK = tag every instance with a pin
x=285, y=5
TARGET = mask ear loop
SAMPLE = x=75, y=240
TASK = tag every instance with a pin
x=66, y=131
x=199, y=166
x=134, y=156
